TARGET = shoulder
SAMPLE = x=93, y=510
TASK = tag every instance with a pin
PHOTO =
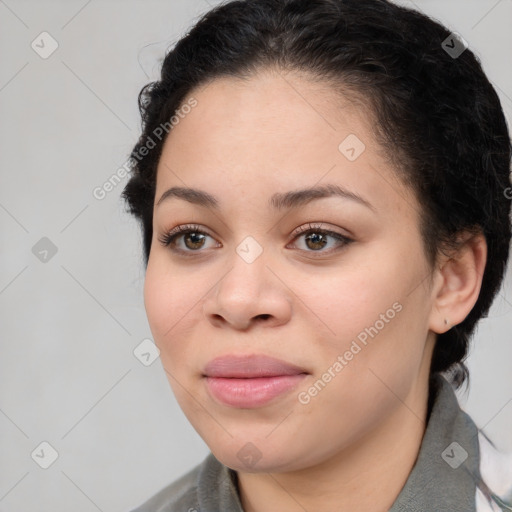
x=180, y=495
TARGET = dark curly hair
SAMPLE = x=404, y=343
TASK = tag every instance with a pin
x=436, y=115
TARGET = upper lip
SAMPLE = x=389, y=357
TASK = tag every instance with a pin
x=249, y=366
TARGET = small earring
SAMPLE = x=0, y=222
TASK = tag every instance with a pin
x=446, y=322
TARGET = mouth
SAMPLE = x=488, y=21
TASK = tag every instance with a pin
x=250, y=381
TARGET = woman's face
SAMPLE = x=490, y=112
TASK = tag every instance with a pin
x=334, y=285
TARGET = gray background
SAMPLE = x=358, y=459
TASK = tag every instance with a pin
x=69, y=324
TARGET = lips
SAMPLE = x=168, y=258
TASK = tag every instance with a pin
x=250, y=381
x=247, y=367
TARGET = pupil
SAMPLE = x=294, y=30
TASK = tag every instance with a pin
x=315, y=238
x=196, y=238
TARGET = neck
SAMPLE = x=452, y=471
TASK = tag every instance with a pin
x=366, y=476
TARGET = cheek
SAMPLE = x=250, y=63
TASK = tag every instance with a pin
x=369, y=309
x=167, y=299
x=157, y=300
x=172, y=299
x=377, y=331
x=348, y=301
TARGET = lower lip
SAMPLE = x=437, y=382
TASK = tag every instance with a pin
x=250, y=393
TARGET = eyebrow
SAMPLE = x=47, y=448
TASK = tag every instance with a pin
x=278, y=201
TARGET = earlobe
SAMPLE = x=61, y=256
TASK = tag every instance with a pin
x=459, y=279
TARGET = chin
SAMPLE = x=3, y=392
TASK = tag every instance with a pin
x=249, y=459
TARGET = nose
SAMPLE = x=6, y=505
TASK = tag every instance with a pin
x=249, y=294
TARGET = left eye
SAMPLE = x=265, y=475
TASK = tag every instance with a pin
x=316, y=238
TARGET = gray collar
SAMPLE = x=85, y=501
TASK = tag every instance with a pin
x=443, y=478
x=446, y=472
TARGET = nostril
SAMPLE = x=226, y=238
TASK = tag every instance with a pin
x=263, y=317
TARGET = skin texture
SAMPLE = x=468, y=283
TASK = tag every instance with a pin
x=353, y=445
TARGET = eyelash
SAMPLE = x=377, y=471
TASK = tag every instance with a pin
x=169, y=238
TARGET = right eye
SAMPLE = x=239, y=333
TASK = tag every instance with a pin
x=192, y=237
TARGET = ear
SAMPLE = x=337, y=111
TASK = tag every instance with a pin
x=457, y=282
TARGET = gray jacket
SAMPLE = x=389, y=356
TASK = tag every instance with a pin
x=443, y=479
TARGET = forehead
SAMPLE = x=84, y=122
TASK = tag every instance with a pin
x=273, y=132
x=273, y=107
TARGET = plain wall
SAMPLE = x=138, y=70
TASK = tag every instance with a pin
x=69, y=325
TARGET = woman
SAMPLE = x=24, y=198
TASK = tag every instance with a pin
x=322, y=187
